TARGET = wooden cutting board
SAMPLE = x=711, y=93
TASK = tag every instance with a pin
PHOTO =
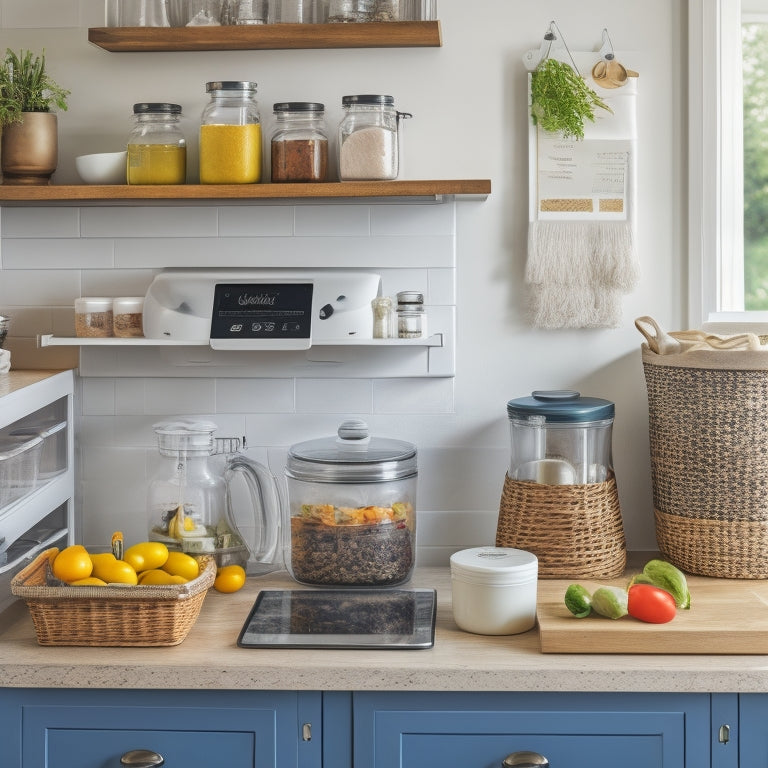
x=727, y=616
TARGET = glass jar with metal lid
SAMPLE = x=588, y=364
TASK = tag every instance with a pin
x=368, y=138
x=230, y=134
x=299, y=142
x=559, y=437
x=411, y=319
x=352, y=509
x=157, y=149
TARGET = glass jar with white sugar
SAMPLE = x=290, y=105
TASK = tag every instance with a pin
x=368, y=138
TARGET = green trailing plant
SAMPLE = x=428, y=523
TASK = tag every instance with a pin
x=25, y=86
x=561, y=100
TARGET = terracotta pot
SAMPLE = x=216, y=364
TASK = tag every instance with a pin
x=29, y=150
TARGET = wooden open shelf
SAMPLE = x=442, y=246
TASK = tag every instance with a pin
x=391, y=34
x=434, y=190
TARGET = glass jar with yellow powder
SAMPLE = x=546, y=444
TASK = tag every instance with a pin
x=230, y=134
x=157, y=150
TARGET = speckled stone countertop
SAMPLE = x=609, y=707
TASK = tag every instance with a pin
x=210, y=659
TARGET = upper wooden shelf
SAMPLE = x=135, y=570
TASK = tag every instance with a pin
x=391, y=34
x=433, y=190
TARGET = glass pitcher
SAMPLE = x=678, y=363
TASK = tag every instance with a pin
x=198, y=506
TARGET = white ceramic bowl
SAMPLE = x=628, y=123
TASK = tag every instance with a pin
x=102, y=168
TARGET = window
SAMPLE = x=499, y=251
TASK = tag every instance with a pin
x=728, y=293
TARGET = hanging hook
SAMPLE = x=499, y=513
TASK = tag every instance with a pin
x=606, y=49
x=553, y=38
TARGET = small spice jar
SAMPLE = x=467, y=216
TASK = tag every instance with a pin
x=93, y=317
x=157, y=149
x=230, y=134
x=382, y=317
x=494, y=590
x=127, y=314
x=299, y=143
x=368, y=138
x=411, y=320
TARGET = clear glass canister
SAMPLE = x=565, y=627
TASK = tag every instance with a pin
x=230, y=134
x=299, y=144
x=368, y=138
x=411, y=320
x=560, y=438
x=157, y=149
x=352, y=509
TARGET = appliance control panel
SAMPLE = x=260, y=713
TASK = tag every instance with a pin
x=277, y=311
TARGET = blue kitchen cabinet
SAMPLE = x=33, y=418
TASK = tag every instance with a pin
x=194, y=729
x=753, y=730
x=478, y=730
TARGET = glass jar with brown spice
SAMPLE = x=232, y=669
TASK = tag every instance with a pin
x=299, y=142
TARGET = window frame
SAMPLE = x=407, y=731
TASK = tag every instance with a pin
x=715, y=183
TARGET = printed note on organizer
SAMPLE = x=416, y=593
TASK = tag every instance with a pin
x=586, y=179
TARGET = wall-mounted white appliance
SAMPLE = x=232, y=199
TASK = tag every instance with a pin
x=260, y=309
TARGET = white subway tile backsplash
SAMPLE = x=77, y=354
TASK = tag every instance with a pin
x=413, y=396
x=159, y=222
x=40, y=222
x=38, y=287
x=394, y=280
x=332, y=220
x=130, y=396
x=413, y=219
x=36, y=253
x=254, y=396
x=98, y=397
x=256, y=221
x=180, y=396
x=116, y=282
x=442, y=287
x=334, y=396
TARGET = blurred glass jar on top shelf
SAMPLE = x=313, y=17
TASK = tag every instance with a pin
x=195, y=13
x=136, y=13
x=300, y=11
x=250, y=12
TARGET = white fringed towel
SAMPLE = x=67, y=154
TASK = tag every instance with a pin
x=582, y=254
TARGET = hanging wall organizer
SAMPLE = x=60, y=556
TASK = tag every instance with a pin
x=581, y=240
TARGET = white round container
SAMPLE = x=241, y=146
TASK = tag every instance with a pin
x=127, y=313
x=93, y=316
x=494, y=590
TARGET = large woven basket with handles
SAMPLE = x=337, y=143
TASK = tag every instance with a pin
x=708, y=429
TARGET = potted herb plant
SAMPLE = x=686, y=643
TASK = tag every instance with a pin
x=561, y=100
x=29, y=143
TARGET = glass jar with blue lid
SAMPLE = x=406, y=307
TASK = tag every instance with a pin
x=558, y=437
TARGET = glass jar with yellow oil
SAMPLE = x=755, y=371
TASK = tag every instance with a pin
x=157, y=149
x=230, y=134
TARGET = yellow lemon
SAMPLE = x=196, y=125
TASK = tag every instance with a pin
x=108, y=568
x=146, y=556
x=230, y=578
x=91, y=581
x=72, y=563
x=159, y=576
x=182, y=564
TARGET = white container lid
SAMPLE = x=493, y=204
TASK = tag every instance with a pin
x=127, y=305
x=93, y=304
x=494, y=565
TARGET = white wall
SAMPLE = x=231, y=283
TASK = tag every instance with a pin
x=468, y=99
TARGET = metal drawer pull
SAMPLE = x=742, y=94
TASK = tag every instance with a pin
x=525, y=760
x=142, y=758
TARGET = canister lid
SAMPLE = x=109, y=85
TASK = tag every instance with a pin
x=298, y=106
x=194, y=438
x=231, y=85
x=352, y=456
x=368, y=99
x=146, y=107
x=560, y=405
x=494, y=565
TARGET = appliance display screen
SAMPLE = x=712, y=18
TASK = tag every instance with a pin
x=262, y=311
x=341, y=618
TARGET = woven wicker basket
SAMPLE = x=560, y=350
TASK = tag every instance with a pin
x=575, y=531
x=708, y=429
x=113, y=615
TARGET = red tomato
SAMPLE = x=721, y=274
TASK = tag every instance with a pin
x=651, y=604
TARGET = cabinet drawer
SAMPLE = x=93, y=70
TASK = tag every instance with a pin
x=194, y=729
x=572, y=731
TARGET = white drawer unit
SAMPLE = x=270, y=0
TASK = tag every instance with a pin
x=37, y=407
